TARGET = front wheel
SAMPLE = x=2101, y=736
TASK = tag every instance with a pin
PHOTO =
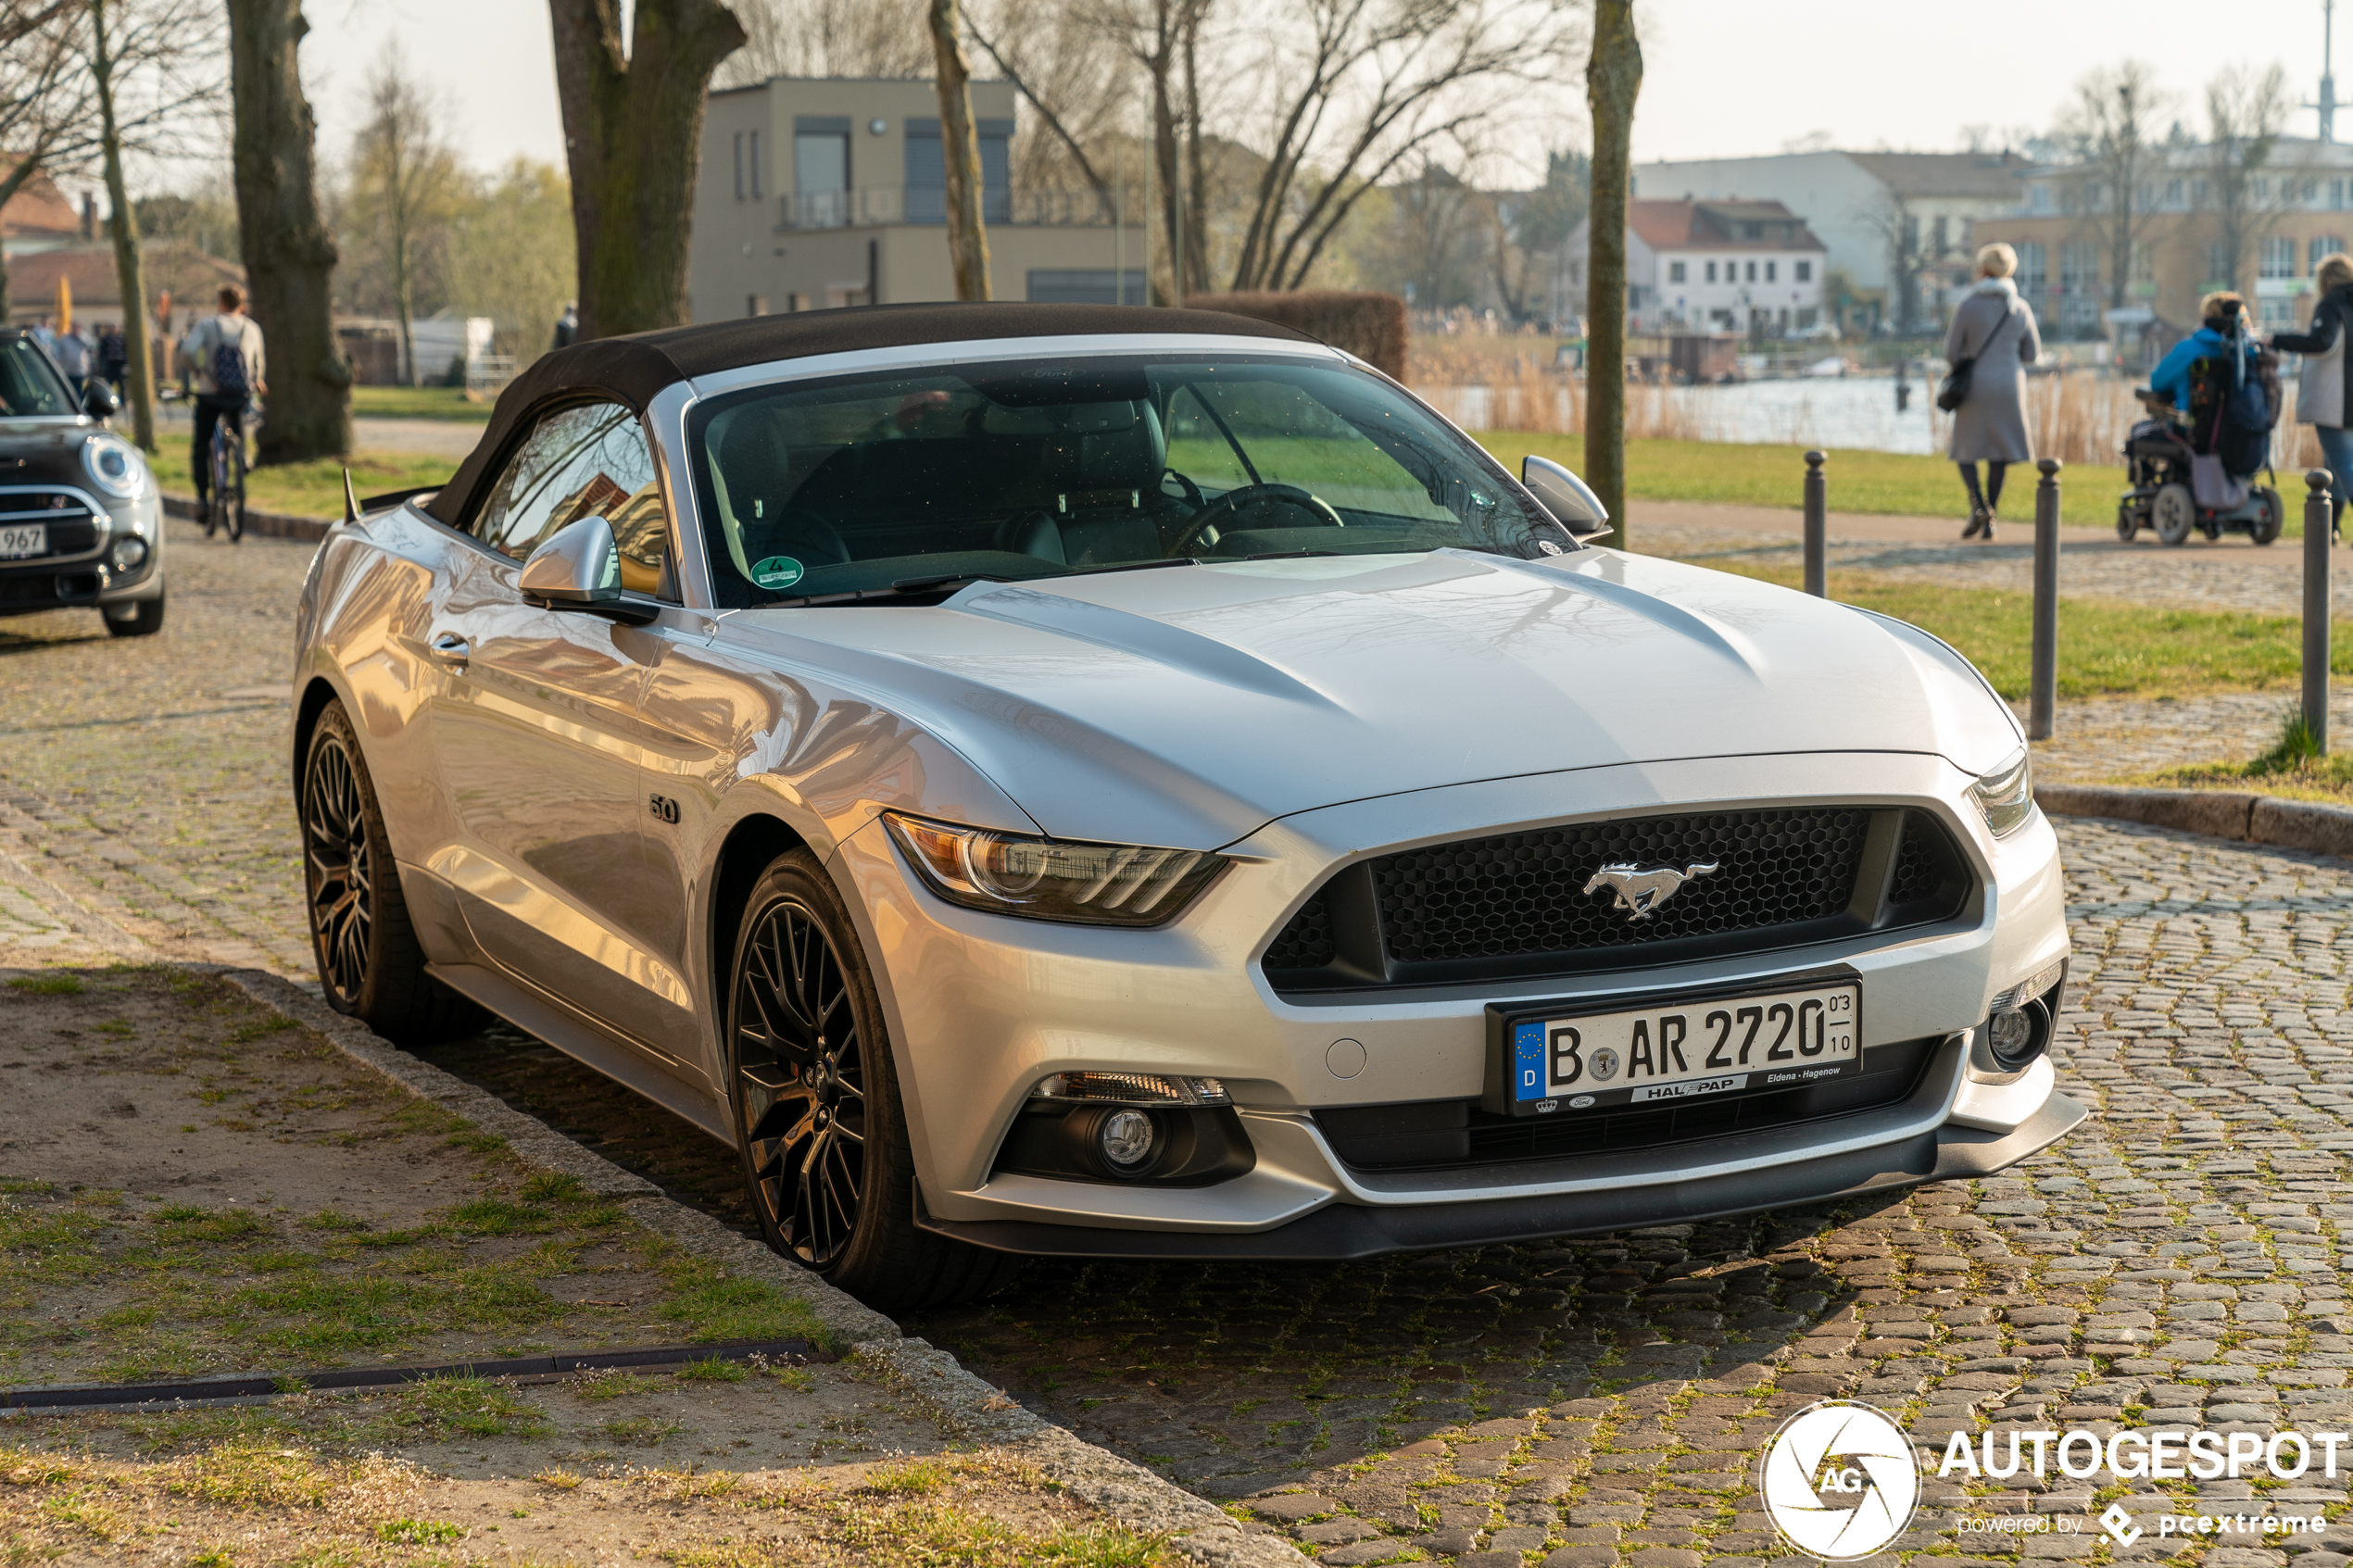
x=146, y=622
x=2174, y=513
x=2127, y=523
x=813, y=1094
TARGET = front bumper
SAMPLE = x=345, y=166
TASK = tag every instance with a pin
x=86, y=579
x=982, y=1006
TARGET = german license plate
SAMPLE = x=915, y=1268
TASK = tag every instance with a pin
x=1549, y=1059
x=22, y=541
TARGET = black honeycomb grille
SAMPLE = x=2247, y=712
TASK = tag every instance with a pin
x=1526, y=904
x=1306, y=942
x=1525, y=892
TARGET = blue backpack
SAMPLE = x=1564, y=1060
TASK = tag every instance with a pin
x=229, y=367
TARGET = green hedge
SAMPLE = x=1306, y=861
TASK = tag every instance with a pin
x=1370, y=326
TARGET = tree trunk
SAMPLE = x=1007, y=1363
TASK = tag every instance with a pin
x=14, y=181
x=1197, y=194
x=1611, y=80
x=124, y=224
x=290, y=257
x=960, y=144
x=632, y=136
x=1165, y=173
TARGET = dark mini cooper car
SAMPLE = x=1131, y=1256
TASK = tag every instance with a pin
x=80, y=520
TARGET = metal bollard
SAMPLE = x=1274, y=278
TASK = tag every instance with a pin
x=2042, y=694
x=1817, y=567
x=2316, y=606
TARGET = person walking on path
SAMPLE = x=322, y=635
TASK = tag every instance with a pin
x=568, y=325
x=224, y=356
x=1994, y=330
x=114, y=358
x=2324, y=385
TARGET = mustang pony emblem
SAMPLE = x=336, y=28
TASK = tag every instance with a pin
x=1642, y=889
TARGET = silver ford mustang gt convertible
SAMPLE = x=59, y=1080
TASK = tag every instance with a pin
x=1136, y=783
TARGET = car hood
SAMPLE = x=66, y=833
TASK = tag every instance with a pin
x=1189, y=705
x=44, y=451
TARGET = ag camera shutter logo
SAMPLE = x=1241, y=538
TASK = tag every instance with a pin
x=1840, y=1481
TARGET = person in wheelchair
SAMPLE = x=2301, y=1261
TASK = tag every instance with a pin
x=2213, y=401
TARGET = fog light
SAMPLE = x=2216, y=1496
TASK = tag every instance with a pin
x=128, y=552
x=1125, y=1139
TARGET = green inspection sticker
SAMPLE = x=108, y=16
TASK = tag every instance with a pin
x=777, y=571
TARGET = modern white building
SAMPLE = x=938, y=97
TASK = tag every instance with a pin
x=1876, y=213
x=825, y=192
x=1751, y=267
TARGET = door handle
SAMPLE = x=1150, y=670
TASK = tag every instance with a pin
x=451, y=648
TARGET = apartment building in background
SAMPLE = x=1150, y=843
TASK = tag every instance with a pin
x=817, y=192
x=1879, y=216
x=1751, y=267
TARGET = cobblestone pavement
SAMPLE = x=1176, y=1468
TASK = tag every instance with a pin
x=143, y=796
x=2228, y=574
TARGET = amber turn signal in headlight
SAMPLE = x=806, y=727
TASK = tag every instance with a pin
x=1049, y=879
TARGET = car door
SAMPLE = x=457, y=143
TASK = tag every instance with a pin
x=535, y=730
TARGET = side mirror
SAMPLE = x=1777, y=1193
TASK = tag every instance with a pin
x=579, y=567
x=1565, y=496
x=98, y=400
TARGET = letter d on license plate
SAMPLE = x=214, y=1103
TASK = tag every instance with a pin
x=1546, y=1058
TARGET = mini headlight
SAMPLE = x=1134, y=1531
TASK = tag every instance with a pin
x=114, y=466
x=1045, y=879
x=2006, y=794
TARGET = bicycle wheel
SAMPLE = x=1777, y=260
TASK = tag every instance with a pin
x=217, y=471
x=235, y=517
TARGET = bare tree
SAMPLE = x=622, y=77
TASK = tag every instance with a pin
x=1359, y=88
x=2109, y=129
x=633, y=131
x=1613, y=79
x=1526, y=231
x=290, y=257
x=2243, y=112
x=406, y=181
x=44, y=97
x=1898, y=227
x=960, y=149
x=144, y=63
x=883, y=38
x=1076, y=78
x=1161, y=36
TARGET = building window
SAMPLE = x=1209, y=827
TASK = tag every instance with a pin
x=2038, y=198
x=2336, y=196
x=1752, y=272
x=1804, y=274
x=2277, y=259
x=739, y=166
x=1674, y=272
x=2260, y=187
x=1806, y=314
x=927, y=172
x=2078, y=269
x=821, y=173
x=1711, y=272
x=2322, y=246
x=2032, y=274
x=1085, y=287
x=2276, y=314
x=751, y=144
x=2173, y=193
x=2219, y=266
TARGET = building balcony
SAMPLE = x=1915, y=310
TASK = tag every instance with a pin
x=874, y=206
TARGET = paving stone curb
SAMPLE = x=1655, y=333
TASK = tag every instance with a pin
x=966, y=1405
x=261, y=525
x=2233, y=814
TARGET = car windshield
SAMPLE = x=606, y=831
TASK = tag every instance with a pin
x=29, y=383
x=910, y=483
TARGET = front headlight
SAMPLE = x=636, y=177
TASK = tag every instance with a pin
x=114, y=466
x=2006, y=794
x=1043, y=879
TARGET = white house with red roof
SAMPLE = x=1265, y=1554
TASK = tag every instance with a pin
x=1747, y=267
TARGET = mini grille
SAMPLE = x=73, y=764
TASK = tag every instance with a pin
x=1306, y=942
x=73, y=531
x=1525, y=892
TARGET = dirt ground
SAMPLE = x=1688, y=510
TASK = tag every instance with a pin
x=192, y=1185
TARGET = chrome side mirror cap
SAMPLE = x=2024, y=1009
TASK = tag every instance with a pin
x=579, y=567
x=1567, y=497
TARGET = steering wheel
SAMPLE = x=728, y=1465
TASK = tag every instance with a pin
x=1225, y=506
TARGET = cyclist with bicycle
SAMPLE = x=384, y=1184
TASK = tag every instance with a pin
x=223, y=355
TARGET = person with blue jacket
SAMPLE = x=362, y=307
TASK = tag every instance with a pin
x=2222, y=311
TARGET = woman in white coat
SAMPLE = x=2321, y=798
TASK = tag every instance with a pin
x=1994, y=329
x=2324, y=386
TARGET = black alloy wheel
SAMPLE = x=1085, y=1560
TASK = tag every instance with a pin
x=800, y=1083
x=338, y=871
x=814, y=1093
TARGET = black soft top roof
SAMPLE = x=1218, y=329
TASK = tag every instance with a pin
x=636, y=369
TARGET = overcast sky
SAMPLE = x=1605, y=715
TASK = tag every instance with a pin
x=1722, y=78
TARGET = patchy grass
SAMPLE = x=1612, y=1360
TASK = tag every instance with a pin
x=478, y=1407
x=419, y=402
x=48, y=985
x=2293, y=768
x=2106, y=648
x=1891, y=482
x=311, y=489
x=711, y=1369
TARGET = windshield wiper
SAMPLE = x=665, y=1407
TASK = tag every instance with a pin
x=1289, y=555
x=1132, y=566
x=900, y=588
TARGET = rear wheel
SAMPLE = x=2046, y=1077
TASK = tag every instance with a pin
x=815, y=1095
x=370, y=963
x=2173, y=513
x=2266, y=527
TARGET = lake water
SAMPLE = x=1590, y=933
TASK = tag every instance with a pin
x=1851, y=411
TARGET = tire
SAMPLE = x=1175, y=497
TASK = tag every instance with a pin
x=2266, y=529
x=2173, y=513
x=370, y=966
x=820, y=1125
x=2127, y=523
x=145, y=623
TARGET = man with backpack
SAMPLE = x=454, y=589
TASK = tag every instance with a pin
x=223, y=354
